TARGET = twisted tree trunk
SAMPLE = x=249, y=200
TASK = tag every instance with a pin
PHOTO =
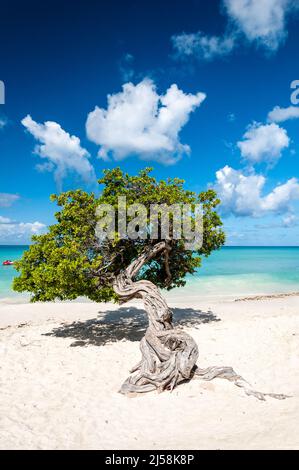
x=169, y=355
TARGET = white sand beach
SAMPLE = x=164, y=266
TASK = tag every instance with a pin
x=59, y=379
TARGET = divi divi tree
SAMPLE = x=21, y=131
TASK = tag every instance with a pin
x=70, y=260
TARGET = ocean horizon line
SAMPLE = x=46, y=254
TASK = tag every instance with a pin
x=225, y=246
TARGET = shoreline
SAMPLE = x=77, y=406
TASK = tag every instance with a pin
x=176, y=298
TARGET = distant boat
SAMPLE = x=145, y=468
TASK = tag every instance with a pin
x=7, y=263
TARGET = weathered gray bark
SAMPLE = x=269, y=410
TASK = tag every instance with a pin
x=169, y=355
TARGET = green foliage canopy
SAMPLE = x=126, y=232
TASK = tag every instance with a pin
x=69, y=261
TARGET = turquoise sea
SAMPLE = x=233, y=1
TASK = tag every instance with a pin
x=229, y=271
x=7, y=273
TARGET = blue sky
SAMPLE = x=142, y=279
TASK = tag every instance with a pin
x=199, y=90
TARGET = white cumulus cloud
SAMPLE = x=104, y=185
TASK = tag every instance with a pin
x=263, y=142
x=261, y=22
x=139, y=121
x=279, y=114
x=4, y=220
x=61, y=151
x=17, y=232
x=202, y=46
x=290, y=220
x=7, y=199
x=242, y=195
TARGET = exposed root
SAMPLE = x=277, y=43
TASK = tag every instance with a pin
x=228, y=373
x=169, y=355
x=165, y=365
x=168, y=358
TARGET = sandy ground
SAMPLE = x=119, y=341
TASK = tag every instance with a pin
x=61, y=368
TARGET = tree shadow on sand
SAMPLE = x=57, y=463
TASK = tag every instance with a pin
x=124, y=324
